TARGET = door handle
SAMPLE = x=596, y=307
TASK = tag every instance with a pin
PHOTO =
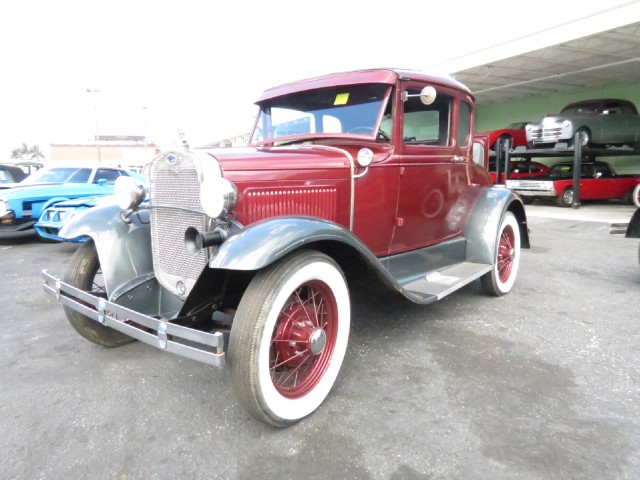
x=458, y=159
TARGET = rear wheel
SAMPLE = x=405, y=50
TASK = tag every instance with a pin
x=501, y=278
x=289, y=338
x=635, y=196
x=566, y=199
x=84, y=273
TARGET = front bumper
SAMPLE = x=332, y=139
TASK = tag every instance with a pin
x=10, y=223
x=157, y=333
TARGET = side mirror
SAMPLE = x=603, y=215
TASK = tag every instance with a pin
x=427, y=95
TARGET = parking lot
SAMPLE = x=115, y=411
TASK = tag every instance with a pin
x=543, y=383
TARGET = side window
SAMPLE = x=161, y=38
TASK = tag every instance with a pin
x=464, y=123
x=109, y=175
x=80, y=176
x=427, y=124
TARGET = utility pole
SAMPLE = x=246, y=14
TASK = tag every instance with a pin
x=94, y=92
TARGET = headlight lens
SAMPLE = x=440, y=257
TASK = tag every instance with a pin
x=365, y=157
x=218, y=196
x=129, y=193
x=4, y=208
x=566, y=123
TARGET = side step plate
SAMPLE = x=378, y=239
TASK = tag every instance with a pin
x=437, y=285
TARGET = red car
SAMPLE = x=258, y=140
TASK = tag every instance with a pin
x=367, y=178
x=515, y=132
x=519, y=169
x=598, y=181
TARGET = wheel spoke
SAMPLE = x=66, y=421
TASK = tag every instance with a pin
x=293, y=365
x=282, y=380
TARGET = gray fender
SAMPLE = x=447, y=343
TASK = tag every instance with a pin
x=127, y=246
x=265, y=242
x=481, y=228
x=633, y=230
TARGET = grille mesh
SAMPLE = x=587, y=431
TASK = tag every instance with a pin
x=175, y=199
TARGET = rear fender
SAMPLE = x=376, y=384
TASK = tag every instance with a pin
x=481, y=229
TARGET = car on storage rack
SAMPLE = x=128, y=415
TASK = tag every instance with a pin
x=350, y=179
x=23, y=203
x=598, y=181
x=601, y=122
x=514, y=133
x=518, y=169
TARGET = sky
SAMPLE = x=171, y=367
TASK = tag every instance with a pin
x=160, y=67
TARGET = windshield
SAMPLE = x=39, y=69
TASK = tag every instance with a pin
x=59, y=175
x=353, y=109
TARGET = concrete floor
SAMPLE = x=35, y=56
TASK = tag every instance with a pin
x=543, y=383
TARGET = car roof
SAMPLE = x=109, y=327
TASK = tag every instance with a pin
x=16, y=172
x=380, y=75
x=599, y=101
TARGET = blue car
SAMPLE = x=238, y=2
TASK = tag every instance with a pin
x=22, y=205
x=54, y=217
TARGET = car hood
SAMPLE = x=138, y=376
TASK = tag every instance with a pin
x=559, y=118
x=292, y=157
x=93, y=201
x=55, y=190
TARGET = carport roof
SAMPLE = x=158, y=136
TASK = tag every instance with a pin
x=593, y=61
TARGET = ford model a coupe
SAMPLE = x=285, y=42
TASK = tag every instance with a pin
x=246, y=256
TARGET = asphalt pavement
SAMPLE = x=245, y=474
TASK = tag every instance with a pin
x=543, y=383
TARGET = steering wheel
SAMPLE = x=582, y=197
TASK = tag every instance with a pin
x=381, y=134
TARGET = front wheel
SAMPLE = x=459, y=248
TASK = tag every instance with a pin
x=289, y=338
x=84, y=273
x=502, y=276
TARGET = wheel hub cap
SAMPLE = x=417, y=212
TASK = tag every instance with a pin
x=317, y=341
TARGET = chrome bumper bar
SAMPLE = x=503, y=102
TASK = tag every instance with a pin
x=154, y=332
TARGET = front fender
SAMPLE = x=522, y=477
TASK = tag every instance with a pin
x=124, y=249
x=264, y=242
x=483, y=222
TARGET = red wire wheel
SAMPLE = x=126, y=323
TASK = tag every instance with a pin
x=303, y=340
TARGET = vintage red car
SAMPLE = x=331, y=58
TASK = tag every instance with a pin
x=514, y=132
x=518, y=169
x=352, y=179
x=598, y=181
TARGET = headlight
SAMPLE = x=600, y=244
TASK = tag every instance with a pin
x=4, y=208
x=365, y=157
x=129, y=193
x=218, y=196
x=566, y=123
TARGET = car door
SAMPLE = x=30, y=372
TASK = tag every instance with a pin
x=433, y=168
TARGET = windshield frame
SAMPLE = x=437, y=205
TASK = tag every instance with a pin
x=341, y=113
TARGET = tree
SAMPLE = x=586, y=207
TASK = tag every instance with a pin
x=25, y=153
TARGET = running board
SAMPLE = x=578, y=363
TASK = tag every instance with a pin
x=436, y=285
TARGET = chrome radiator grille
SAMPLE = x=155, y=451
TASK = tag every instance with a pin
x=175, y=201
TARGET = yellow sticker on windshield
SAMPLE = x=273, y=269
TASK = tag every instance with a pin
x=341, y=99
